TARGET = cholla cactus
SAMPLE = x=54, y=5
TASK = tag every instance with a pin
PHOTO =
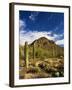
x=26, y=54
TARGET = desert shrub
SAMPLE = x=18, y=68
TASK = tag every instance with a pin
x=58, y=73
x=61, y=74
x=42, y=75
x=45, y=67
x=48, y=69
x=61, y=68
x=33, y=70
x=42, y=53
x=21, y=77
x=55, y=74
x=42, y=65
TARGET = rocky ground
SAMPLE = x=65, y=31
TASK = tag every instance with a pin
x=51, y=67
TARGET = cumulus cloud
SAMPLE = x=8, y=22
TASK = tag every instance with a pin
x=33, y=35
x=30, y=35
x=58, y=36
x=33, y=16
x=22, y=25
x=60, y=42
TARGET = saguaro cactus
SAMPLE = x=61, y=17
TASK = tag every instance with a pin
x=26, y=54
x=53, y=52
x=34, y=51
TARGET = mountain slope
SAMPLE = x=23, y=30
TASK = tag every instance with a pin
x=45, y=48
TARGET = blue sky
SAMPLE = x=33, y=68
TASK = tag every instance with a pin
x=33, y=25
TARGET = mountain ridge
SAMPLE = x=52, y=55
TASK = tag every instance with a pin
x=43, y=39
x=45, y=47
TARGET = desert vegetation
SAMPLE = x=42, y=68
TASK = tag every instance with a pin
x=41, y=59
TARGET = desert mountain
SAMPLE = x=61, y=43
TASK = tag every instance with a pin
x=45, y=48
x=41, y=59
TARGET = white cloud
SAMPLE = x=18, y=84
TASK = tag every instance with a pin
x=33, y=16
x=22, y=24
x=30, y=36
x=60, y=42
x=58, y=36
x=33, y=35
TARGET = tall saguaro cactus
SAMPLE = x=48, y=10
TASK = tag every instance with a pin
x=53, y=51
x=34, y=51
x=26, y=54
